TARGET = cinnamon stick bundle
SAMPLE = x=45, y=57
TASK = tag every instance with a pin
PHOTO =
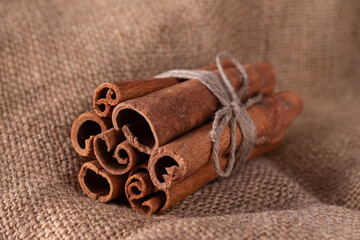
x=156, y=148
x=108, y=95
x=99, y=184
x=184, y=156
x=155, y=119
x=84, y=129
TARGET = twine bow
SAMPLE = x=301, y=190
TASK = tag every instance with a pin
x=233, y=111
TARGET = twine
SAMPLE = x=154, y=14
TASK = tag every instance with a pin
x=233, y=111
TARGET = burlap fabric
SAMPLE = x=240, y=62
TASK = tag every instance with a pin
x=54, y=54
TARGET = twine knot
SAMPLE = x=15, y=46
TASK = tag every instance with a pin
x=232, y=112
x=236, y=108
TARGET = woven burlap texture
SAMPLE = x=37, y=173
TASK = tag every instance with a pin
x=54, y=54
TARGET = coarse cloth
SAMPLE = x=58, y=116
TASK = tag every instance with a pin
x=53, y=54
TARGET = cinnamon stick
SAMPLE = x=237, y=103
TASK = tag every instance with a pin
x=141, y=193
x=84, y=129
x=184, y=156
x=189, y=185
x=128, y=157
x=99, y=184
x=104, y=145
x=107, y=95
x=115, y=153
x=168, y=113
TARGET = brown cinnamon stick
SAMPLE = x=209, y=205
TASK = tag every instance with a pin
x=189, y=185
x=115, y=153
x=141, y=192
x=186, y=155
x=168, y=113
x=128, y=157
x=99, y=184
x=107, y=95
x=104, y=145
x=84, y=129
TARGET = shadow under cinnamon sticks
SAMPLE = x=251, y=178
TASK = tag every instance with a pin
x=155, y=119
x=173, y=162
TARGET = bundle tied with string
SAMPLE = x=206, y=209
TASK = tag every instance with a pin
x=233, y=111
x=158, y=143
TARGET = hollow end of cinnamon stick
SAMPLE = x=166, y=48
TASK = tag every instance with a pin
x=102, y=108
x=150, y=204
x=84, y=129
x=136, y=128
x=128, y=157
x=105, y=145
x=165, y=168
x=99, y=184
x=139, y=185
x=142, y=194
x=109, y=92
x=117, y=156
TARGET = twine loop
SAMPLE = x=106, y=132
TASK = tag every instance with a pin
x=233, y=111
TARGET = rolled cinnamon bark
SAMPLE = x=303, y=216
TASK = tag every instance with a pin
x=168, y=113
x=115, y=153
x=99, y=184
x=84, y=129
x=141, y=193
x=186, y=155
x=107, y=95
x=128, y=157
x=104, y=146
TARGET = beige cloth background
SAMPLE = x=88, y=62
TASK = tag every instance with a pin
x=54, y=54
